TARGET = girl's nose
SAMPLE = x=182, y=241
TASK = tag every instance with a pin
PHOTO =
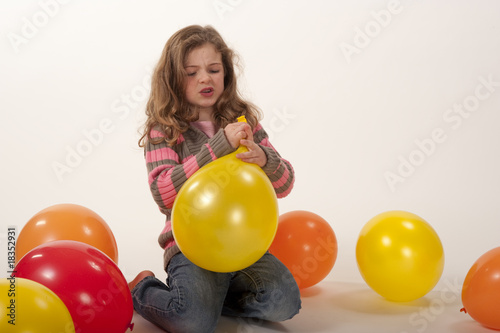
x=204, y=77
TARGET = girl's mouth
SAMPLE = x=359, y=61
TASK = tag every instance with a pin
x=207, y=92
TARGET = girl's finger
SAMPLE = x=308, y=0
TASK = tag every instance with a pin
x=248, y=143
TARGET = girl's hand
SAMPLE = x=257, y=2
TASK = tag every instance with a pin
x=255, y=154
x=235, y=132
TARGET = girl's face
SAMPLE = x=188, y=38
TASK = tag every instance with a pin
x=204, y=83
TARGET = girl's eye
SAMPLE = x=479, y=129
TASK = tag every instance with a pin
x=191, y=74
x=215, y=71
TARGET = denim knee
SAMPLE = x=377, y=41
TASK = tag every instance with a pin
x=283, y=302
x=178, y=309
x=189, y=320
x=267, y=291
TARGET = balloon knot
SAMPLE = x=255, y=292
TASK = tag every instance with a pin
x=131, y=326
x=463, y=310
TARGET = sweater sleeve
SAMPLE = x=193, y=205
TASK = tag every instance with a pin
x=170, y=167
x=279, y=170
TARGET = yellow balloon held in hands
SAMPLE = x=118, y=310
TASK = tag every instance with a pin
x=225, y=216
x=400, y=256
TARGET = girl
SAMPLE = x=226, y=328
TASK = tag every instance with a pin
x=191, y=121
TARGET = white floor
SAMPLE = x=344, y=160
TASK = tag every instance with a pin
x=353, y=308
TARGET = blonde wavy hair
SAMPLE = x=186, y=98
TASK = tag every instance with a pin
x=167, y=108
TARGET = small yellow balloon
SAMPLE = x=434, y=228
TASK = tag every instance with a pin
x=225, y=216
x=400, y=256
x=29, y=307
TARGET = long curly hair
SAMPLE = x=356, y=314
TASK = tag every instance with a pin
x=167, y=108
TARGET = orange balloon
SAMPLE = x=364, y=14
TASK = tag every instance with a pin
x=481, y=290
x=306, y=244
x=67, y=222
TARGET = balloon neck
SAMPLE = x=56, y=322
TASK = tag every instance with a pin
x=463, y=310
x=241, y=148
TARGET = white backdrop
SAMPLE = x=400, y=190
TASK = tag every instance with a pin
x=379, y=105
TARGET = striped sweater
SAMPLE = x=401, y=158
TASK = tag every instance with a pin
x=169, y=167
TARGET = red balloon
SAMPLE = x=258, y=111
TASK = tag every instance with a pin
x=88, y=282
x=481, y=290
x=306, y=244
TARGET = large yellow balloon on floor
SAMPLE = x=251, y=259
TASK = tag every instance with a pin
x=27, y=306
x=226, y=215
x=400, y=256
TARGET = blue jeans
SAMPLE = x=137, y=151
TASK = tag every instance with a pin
x=194, y=298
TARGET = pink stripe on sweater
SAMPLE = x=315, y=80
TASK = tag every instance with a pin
x=166, y=189
x=167, y=228
x=190, y=165
x=212, y=155
x=156, y=134
x=265, y=142
x=169, y=244
x=190, y=168
x=156, y=171
x=161, y=154
x=184, y=160
x=280, y=182
x=164, y=182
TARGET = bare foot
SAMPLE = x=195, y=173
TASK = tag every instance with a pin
x=139, y=278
